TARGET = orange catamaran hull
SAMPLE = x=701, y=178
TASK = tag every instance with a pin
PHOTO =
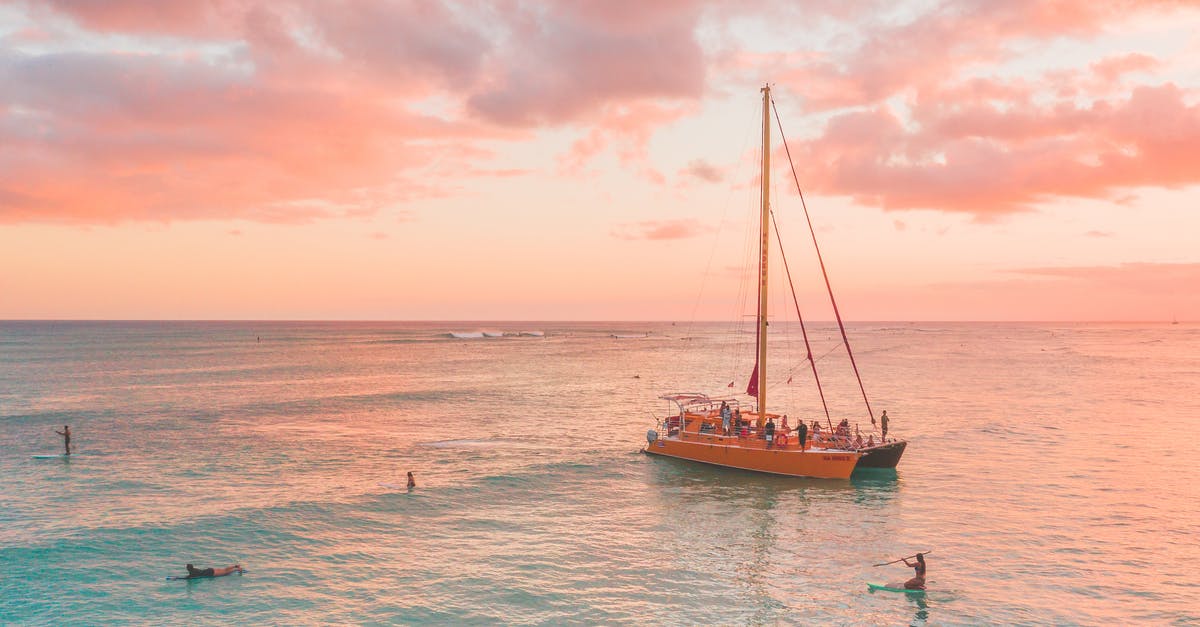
x=782, y=460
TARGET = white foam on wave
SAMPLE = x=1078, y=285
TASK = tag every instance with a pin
x=466, y=335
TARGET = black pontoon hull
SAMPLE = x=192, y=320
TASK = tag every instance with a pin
x=882, y=456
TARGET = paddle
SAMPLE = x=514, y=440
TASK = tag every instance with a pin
x=903, y=558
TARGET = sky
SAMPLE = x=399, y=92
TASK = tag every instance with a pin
x=597, y=159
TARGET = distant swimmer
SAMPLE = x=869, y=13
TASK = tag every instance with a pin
x=412, y=483
x=66, y=434
x=197, y=573
x=918, y=581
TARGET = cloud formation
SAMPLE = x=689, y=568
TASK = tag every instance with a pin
x=919, y=118
x=297, y=110
x=661, y=230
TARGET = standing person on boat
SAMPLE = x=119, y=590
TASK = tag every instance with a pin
x=802, y=434
x=769, y=431
x=918, y=581
x=883, y=420
x=726, y=415
x=412, y=483
x=66, y=434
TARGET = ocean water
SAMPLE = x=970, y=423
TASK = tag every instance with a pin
x=1051, y=469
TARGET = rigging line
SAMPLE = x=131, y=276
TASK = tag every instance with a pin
x=796, y=302
x=821, y=260
x=794, y=369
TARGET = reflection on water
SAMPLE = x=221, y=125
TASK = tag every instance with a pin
x=921, y=617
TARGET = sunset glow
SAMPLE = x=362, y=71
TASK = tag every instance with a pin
x=230, y=159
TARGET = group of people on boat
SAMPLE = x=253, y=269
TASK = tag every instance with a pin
x=841, y=436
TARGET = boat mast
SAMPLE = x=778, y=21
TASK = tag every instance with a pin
x=764, y=238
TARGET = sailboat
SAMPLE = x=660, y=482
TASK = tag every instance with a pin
x=720, y=431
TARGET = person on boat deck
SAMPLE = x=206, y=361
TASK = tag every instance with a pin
x=769, y=431
x=195, y=573
x=726, y=415
x=883, y=420
x=412, y=483
x=802, y=434
x=918, y=581
x=870, y=440
x=784, y=426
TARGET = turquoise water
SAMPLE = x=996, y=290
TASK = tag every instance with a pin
x=1050, y=469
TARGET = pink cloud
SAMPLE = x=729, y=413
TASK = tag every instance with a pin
x=703, y=170
x=571, y=59
x=987, y=160
x=308, y=115
x=660, y=230
x=308, y=109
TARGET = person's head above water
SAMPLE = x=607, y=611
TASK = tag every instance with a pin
x=921, y=557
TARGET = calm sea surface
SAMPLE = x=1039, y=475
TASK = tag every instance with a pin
x=1052, y=469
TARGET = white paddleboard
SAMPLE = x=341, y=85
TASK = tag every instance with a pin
x=50, y=456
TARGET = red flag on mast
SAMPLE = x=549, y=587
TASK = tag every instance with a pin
x=752, y=387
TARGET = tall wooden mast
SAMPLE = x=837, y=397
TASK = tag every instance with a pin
x=764, y=238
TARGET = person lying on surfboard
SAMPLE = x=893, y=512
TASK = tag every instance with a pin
x=917, y=582
x=196, y=573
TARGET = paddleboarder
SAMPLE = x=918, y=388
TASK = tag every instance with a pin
x=66, y=434
x=412, y=483
x=918, y=581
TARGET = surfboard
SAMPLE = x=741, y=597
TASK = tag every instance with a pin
x=50, y=456
x=883, y=587
x=393, y=486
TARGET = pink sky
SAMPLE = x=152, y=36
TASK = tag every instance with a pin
x=593, y=160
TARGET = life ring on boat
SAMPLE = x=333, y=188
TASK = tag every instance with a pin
x=781, y=439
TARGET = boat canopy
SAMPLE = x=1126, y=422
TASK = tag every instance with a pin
x=691, y=400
